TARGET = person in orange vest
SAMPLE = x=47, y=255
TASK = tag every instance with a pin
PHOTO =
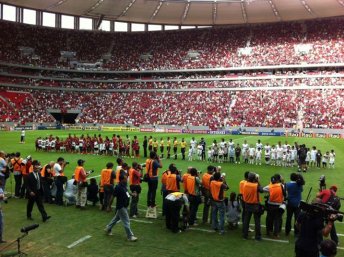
x=172, y=180
x=27, y=168
x=152, y=170
x=135, y=188
x=193, y=186
x=206, y=192
x=47, y=181
x=163, y=188
x=80, y=176
x=174, y=203
x=118, y=169
x=218, y=186
x=274, y=211
x=240, y=196
x=17, y=173
x=185, y=180
x=107, y=177
x=251, y=190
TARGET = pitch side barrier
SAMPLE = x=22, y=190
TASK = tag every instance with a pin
x=237, y=132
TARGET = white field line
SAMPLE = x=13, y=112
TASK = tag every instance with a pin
x=201, y=229
x=79, y=241
x=142, y=221
x=274, y=240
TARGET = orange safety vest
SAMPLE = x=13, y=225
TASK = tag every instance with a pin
x=43, y=171
x=185, y=182
x=16, y=163
x=118, y=173
x=77, y=173
x=172, y=183
x=131, y=171
x=149, y=168
x=206, y=181
x=191, y=183
x=164, y=177
x=215, y=190
x=276, y=193
x=241, y=186
x=250, y=193
x=105, y=177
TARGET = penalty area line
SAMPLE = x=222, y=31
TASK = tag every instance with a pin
x=79, y=241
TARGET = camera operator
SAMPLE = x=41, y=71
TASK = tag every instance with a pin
x=60, y=179
x=206, y=191
x=218, y=186
x=47, y=181
x=328, y=196
x=274, y=202
x=311, y=230
x=251, y=190
x=294, y=190
x=80, y=177
x=193, y=187
x=152, y=170
x=174, y=203
x=107, y=177
x=135, y=188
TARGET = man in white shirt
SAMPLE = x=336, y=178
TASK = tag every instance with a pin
x=59, y=179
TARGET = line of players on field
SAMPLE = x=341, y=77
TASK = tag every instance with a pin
x=284, y=155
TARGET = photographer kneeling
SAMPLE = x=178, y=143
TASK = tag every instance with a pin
x=174, y=203
x=310, y=224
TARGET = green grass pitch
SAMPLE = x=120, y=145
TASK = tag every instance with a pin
x=69, y=224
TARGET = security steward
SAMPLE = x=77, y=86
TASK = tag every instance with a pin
x=218, y=186
x=174, y=203
x=274, y=202
x=251, y=190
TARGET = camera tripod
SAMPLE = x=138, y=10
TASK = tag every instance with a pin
x=17, y=252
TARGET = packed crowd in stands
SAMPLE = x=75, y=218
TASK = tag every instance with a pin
x=281, y=108
x=217, y=47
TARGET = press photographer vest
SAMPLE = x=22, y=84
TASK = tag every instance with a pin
x=250, y=193
x=190, y=184
x=149, y=168
x=164, y=177
x=216, y=190
x=77, y=176
x=172, y=183
x=206, y=181
x=276, y=193
x=106, y=177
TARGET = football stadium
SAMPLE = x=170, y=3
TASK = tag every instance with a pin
x=171, y=128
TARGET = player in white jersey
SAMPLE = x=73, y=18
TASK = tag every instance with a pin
x=267, y=153
x=259, y=156
x=199, y=151
x=308, y=156
x=284, y=159
x=285, y=146
x=293, y=156
x=222, y=143
x=332, y=157
x=225, y=153
x=324, y=160
x=210, y=154
x=246, y=155
x=193, y=146
x=245, y=147
x=221, y=153
x=231, y=143
x=273, y=155
x=279, y=155
x=259, y=145
x=313, y=156
x=96, y=147
x=252, y=154
x=288, y=157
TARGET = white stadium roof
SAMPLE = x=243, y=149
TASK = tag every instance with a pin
x=191, y=12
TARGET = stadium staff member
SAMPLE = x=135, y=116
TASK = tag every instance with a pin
x=327, y=196
x=35, y=192
x=123, y=196
x=17, y=173
x=311, y=229
x=174, y=203
x=152, y=170
x=60, y=179
x=80, y=177
x=206, y=191
x=274, y=202
x=107, y=177
x=135, y=188
x=251, y=190
x=193, y=188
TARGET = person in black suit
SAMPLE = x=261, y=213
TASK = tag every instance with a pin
x=35, y=192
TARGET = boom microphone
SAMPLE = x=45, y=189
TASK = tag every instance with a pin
x=28, y=228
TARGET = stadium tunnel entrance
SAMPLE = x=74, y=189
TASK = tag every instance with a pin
x=65, y=116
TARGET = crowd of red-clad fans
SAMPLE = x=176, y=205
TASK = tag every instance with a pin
x=275, y=108
x=275, y=44
x=217, y=47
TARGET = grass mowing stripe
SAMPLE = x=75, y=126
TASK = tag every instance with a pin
x=79, y=241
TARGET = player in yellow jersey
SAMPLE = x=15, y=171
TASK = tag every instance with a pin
x=168, y=147
x=162, y=144
x=183, y=145
x=175, y=147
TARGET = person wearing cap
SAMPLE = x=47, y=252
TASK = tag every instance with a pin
x=35, y=192
x=326, y=197
x=80, y=177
